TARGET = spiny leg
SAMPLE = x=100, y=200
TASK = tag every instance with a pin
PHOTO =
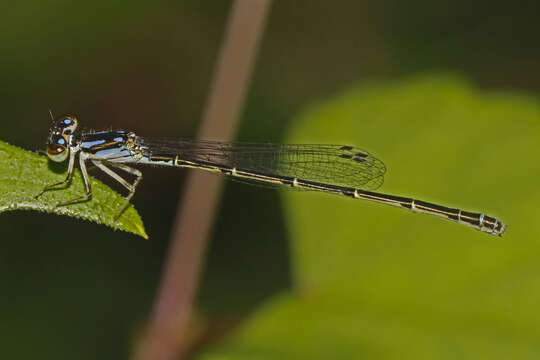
x=88, y=194
x=121, y=180
x=66, y=180
x=135, y=172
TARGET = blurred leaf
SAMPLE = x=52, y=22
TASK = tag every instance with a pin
x=375, y=281
x=23, y=175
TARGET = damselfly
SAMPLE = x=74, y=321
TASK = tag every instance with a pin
x=335, y=169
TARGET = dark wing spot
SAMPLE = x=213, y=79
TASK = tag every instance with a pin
x=346, y=148
x=359, y=158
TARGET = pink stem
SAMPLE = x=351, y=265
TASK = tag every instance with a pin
x=167, y=334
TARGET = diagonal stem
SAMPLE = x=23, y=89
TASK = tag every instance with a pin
x=166, y=337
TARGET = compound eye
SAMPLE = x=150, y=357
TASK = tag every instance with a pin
x=67, y=123
x=57, y=149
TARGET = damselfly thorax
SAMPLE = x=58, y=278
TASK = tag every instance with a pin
x=336, y=169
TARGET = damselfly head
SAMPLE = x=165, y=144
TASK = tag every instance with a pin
x=65, y=124
x=58, y=149
x=59, y=140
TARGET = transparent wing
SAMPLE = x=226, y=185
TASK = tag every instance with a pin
x=341, y=165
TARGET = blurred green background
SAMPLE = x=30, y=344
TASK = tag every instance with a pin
x=446, y=93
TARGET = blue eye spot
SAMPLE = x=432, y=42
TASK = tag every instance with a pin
x=61, y=141
x=67, y=121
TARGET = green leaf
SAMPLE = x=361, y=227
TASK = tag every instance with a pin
x=24, y=174
x=375, y=281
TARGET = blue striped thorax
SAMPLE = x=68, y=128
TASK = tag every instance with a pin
x=107, y=144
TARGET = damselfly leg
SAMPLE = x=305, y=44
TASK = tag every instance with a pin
x=131, y=187
x=65, y=181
